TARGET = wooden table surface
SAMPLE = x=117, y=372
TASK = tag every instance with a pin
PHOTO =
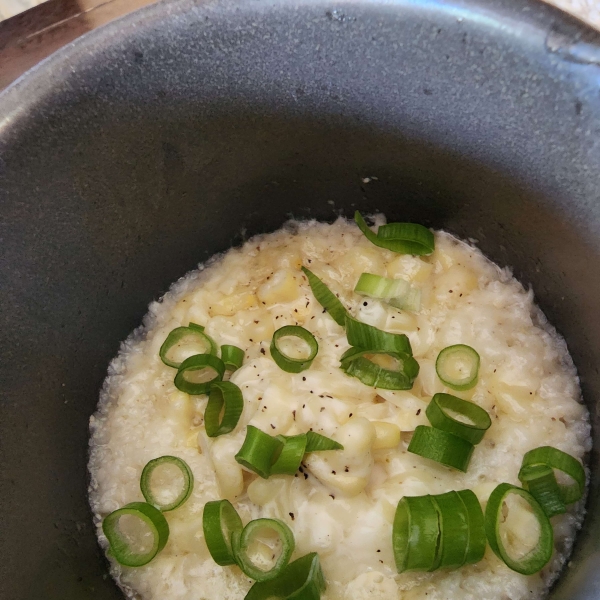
x=33, y=35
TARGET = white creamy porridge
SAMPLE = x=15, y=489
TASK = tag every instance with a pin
x=527, y=383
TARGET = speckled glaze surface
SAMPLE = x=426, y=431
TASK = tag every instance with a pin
x=145, y=147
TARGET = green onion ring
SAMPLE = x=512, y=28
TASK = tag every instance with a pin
x=241, y=544
x=292, y=453
x=199, y=362
x=540, y=482
x=220, y=521
x=146, y=482
x=287, y=363
x=197, y=331
x=119, y=545
x=454, y=530
x=368, y=337
x=232, y=356
x=556, y=459
x=404, y=238
x=326, y=298
x=301, y=580
x=397, y=292
x=355, y=364
x=441, y=446
x=464, y=356
x=440, y=417
x=224, y=397
x=477, y=538
x=259, y=452
x=537, y=558
x=315, y=442
x=415, y=534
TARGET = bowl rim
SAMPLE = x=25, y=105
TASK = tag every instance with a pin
x=518, y=16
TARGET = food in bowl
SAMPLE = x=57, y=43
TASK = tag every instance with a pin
x=340, y=412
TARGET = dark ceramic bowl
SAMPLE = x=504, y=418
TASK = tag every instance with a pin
x=145, y=147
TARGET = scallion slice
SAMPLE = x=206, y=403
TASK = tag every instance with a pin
x=415, y=534
x=197, y=367
x=326, y=298
x=220, y=521
x=292, y=453
x=232, y=356
x=157, y=483
x=397, y=292
x=288, y=363
x=477, y=539
x=540, y=482
x=460, y=417
x=404, y=238
x=301, y=580
x=368, y=337
x=535, y=559
x=138, y=515
x=259, y=452
x=454, y=530
x=224, y=408
x=556, y=459
x=458, y=367
x=247, y=547
x=357, y=362
x=315, y=442
x=441, y=446
x=180, y=338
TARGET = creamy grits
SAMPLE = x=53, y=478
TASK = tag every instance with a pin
x=341, y=503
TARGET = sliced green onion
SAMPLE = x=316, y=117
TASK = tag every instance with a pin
x=232, y=356
x=245, y=545
x=441, y=446
x=301, y=580
x=286, y=362
x=458, y=367
x=259, y=452
x=477, y=539
x=183, y=336
x=294, y=448
x=416, y=534
x=319, y=443
x=152, y=480
x=556, y=459
x=404, y=238
x=368, y=337
x=224, y=408
x=356, y=362
x=326, y=298
x=540, y=482
x=454, y=530
x=397, y=292
x=220, y=522
x=122, y=542
x=460, y=417
x=197, y=367
x=536, y=558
